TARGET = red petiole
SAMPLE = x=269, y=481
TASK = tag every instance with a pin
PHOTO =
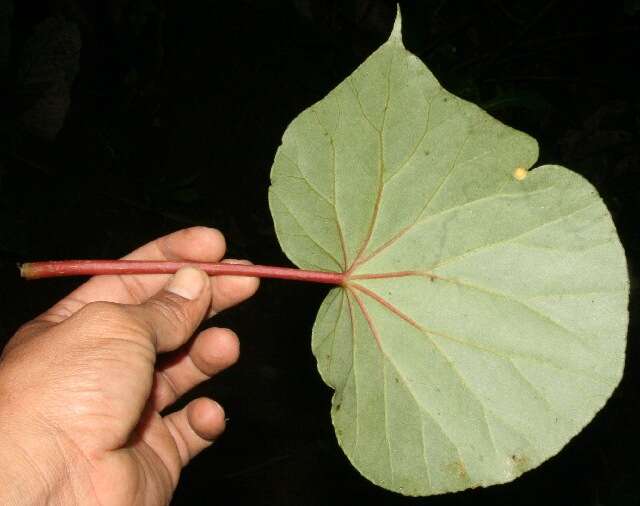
x=59, y=268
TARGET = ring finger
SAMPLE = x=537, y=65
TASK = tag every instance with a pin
x=210, y=352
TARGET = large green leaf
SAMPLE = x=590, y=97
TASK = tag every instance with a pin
x=483, y=316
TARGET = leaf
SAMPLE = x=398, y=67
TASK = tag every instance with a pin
x=483, y=316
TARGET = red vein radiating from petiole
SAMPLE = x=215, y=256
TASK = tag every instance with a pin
x=58, y=268
x=369, y=320
x=376, y=208
x=387, y=305
x=396, y=274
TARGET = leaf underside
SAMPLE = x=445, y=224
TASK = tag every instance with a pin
x=483, y=318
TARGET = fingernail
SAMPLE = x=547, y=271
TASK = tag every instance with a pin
x=187, y=282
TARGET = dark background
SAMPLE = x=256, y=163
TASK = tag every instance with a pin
x=123, y=120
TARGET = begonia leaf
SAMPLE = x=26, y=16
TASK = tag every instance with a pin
x=482, y=319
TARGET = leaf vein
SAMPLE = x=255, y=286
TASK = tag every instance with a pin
x=578, y=294
x=393, y=309
x=457, y=207
x=381, y=170
x=292, y=214
x=406, y=161
x=332, y=332
x=510, y=239
x=466, y=386
x=357, y=97
x=354, y=371
x=422, y=408
x=484, y=409
x=513, y=298
x=386, y=415
x=424, y=451
x=306, y=181
x=334, y=204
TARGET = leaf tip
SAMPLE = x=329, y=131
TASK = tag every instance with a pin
x=396, y=32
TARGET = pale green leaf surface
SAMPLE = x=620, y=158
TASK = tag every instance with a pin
x=483, y=319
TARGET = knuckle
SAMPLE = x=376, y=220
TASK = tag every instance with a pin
x=172, y=313
x=105, y=311
x=103, y=322
x=102, y=315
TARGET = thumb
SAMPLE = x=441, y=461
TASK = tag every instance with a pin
x=174, y=313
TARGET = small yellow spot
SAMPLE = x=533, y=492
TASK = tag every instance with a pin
x=520, y=173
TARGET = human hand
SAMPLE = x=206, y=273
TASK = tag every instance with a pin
x=81, y=386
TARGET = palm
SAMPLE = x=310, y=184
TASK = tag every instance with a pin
x=147, y=470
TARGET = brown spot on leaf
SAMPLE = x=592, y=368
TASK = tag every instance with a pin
x=520, y=462
x=459, y=469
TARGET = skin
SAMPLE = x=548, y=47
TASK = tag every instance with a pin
x=82, y=386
